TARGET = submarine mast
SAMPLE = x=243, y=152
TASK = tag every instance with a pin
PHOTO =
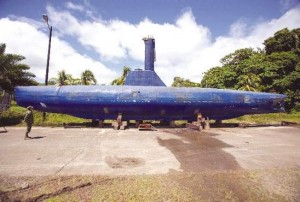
x=149, y=53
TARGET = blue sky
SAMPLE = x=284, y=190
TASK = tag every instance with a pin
x=103, y=36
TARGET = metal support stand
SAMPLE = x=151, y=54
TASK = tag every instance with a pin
x=119, y=124
x=137, y=123
x=207, y=124
x=218, y=122
x=101, y=123
x=172, y=124
x=200, y=124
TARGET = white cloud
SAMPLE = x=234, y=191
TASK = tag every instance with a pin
x=84, y=8
x=238, y=29
x=25, y=39
x=183, y=48
x=75, y=7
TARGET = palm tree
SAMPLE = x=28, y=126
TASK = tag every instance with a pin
x=88, y=78
x=72, y=81
x=249, y=82
x=121, y=80
x=12, y=73
x=62, y=78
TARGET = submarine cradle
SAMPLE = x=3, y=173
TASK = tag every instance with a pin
x=145, y=97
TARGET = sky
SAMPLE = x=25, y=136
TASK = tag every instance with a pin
x=105, y=35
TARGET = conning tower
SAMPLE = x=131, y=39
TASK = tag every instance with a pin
x=148, y=76
x=149, y=53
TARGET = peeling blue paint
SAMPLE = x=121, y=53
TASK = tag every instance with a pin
x=145, y=102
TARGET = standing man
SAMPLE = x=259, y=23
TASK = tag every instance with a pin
x=28, y=120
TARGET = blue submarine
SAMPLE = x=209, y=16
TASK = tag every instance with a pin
x=145, y=97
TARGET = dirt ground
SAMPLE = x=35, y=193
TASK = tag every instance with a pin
x=222, y=164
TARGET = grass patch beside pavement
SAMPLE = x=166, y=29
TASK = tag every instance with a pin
x=241, y=185
x=15, y=115
x=266, y=118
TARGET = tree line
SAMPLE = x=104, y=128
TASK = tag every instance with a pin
x=275, y=69
x=87, y=78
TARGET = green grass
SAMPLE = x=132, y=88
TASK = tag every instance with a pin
x=15, y=115
x=266, y=118
x=240, y=185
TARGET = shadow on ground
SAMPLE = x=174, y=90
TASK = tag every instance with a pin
x=34, y=138
x=199, y=151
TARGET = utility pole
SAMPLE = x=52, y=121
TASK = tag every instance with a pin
x=45, y=17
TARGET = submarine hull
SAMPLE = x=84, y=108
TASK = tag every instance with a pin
x=147, y=103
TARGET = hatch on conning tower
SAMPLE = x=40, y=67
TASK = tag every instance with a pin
x=147, y=77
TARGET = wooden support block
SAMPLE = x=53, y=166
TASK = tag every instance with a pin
x=137, y=123
x=123, y=125
x=194, y=126
x=172, y=124
x=146, y=126
x=115, y=125
x=206, y=125
x=101, y=123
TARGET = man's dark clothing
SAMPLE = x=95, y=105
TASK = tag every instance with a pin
x=29, y=121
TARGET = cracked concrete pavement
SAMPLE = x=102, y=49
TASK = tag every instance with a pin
x=94, y=151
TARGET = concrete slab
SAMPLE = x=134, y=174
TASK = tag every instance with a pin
x=88, y=151
x=59, y=151
x=263, y=147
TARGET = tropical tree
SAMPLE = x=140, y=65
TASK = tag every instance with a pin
x=62, y=78
x=237, y=56
x=180, y=82
x=273, y=69
x=52, y=81
x=249, y=82
x=241, y=62
x=121, y=79
x=12, y=72
x=283, y=41
x=219, y=77
x=282, y=75
x=88, y=78
x=72, y=81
